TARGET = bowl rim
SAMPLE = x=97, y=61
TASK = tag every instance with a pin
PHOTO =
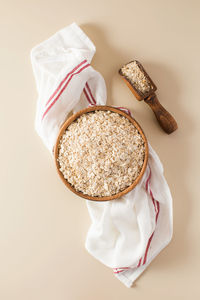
x=76, y=116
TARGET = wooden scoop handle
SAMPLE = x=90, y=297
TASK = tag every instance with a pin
x=166, y=121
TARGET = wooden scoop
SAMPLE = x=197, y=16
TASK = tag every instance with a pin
x=143, y=88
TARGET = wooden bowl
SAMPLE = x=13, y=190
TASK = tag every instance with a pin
x=77, y=115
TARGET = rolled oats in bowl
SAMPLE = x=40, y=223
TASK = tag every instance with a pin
x=101, y=153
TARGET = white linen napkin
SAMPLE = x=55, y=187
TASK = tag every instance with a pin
x=126, y=233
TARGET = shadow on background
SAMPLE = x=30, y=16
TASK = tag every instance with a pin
x=106, y=55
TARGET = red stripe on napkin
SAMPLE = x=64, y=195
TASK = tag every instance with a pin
x=139, y=263
x=87, y=96
x=89, y=90
x=64, y=87
x=124, y=109
x=157, y=210
x=61, y=83
x=116, y=272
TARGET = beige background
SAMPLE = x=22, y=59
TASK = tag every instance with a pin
x=43, y=225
